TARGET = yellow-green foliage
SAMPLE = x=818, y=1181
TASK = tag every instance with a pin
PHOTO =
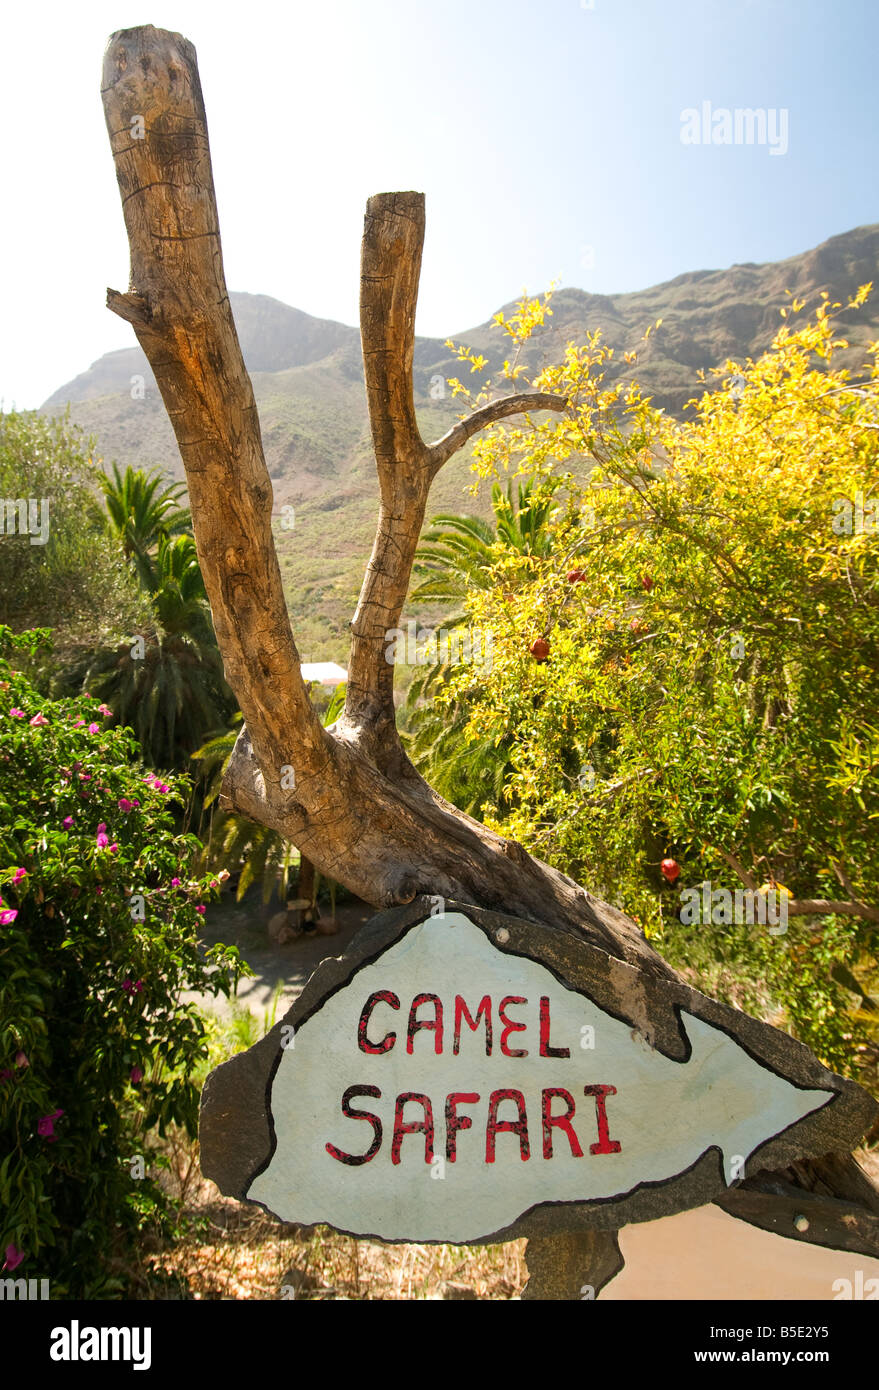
x=712, y=688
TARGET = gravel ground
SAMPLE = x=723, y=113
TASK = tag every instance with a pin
x=245, y=925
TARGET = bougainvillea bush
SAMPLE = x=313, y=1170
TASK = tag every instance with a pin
x=98, y=943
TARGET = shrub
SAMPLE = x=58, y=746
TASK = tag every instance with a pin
x=98, y=943
x=708, y=614
x=75, y=582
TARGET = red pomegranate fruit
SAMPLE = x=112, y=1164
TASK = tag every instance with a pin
x=670, y=870
x=539, y=649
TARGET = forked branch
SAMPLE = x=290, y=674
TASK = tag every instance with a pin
x=179, y=307
x=358, y=810
x=520, y=404
x=393, y=238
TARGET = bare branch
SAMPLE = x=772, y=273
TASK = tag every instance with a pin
x=390, y=268
x=809, y=907
x=131, y=307
x=826, y=907
x=180, y=310
x=738, y=868
x=393, y=238
x=441, y=451
x=358, y=810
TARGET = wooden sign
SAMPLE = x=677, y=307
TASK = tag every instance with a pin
x=464, y=1077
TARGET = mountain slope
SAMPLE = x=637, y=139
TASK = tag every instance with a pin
x=308, y=383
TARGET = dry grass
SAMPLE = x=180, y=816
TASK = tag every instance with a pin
x=230, y=1250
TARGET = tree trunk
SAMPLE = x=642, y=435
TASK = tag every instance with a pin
x=359, y=811
x=305, y=889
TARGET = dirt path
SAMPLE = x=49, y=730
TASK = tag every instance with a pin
x=245, y=925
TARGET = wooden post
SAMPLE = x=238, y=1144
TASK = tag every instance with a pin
x=572, y=1266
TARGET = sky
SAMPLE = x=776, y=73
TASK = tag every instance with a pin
x=547, y=136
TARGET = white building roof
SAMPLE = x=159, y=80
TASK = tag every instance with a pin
x=324, y=672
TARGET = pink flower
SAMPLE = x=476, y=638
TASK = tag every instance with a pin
x=136, y=1075
x=102, y=840
x=46, y=1126
x=18, y=876
x=105, y=711
x=8, y=916
x=78, y=723
x=38, y=720
x=14, y=1257
x=21, y=1059
x=113, y=848
x=6, y=1074
x=67, y=822
x=223, y=875
x=16, y=714
x=175, y=882
x=85, y=777
x=199, y=907
x=94, y=728
x=125, y=805
x=132, y=987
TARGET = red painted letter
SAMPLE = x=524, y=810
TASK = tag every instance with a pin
x=605, y=1144
x=454, y=1121
x=355, y=1159
x=511, y=1027
x=462, y=1012
x=496, y=1126
x=424, y=1126
x=546, y=1047
x=561, y=1121
x=435, y=1023
x=382, y=996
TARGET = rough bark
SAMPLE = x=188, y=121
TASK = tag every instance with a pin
x=573, y=1266
x=359, y=811
x=305, y=881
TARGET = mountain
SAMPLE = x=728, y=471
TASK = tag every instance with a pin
x=308, y=382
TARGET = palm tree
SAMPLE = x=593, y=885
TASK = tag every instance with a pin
x=469, y=774
x=456, y=556
x=458, y=551
x=167, y=682
x=234, y=842
x=142, y=512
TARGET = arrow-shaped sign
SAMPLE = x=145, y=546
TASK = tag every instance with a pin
x=449, y=1086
